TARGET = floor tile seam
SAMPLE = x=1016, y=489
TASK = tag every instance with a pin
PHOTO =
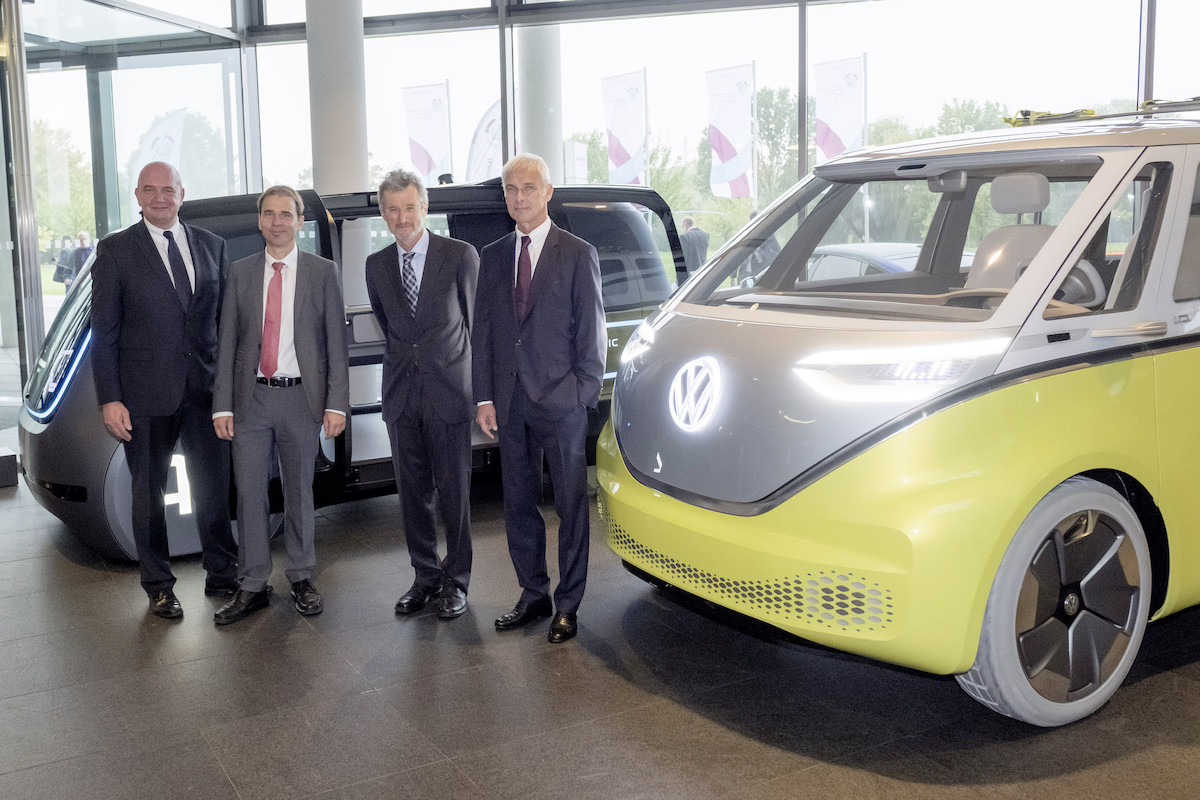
x=559, y=730
x=386, y=775
x=103, y=573
x=950, y=773
x=219, y=762
x=50, y=764
x=48, y=526
x=333, y=646
x=427, y=676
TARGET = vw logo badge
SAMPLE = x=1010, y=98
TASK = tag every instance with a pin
x=695, y=393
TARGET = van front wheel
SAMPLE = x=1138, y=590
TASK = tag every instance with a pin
x=1067, y=609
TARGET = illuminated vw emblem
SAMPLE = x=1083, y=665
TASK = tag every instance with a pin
x=695, y=393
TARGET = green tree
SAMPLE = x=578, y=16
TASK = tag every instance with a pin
x=62, y=182
x=964, y=116
x=776, y=142
x=597, y=154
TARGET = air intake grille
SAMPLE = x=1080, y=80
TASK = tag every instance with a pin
x=818, y=598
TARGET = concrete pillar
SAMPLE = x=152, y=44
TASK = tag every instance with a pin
x=337, y=91
x=539, y=95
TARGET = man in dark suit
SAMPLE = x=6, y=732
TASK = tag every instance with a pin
x=282, y=377
x=156, y=292
x=538, y=347
x=422, y=290
x=695, y=245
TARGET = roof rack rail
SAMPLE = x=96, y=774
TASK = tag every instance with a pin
x=1147, y=108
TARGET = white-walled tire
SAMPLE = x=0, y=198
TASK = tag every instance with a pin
x=1067, y=609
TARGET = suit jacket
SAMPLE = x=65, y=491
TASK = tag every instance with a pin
x=145, y=345
x=695, y=248
x=432, y=350
x=319, y=332
x=558, y=349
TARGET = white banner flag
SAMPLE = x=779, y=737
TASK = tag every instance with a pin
x=427, y=111
x=163, y=142
x=841, y=105
x=625, y=117
x=483, y=159
x=731, y=130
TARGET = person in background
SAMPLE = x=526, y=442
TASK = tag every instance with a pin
x=695, y=245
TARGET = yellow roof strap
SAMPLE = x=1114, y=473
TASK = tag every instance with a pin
x=1027, y=117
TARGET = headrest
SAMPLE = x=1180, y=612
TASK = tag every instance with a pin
x=1020, y=193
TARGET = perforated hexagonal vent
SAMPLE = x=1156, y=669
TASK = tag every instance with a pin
x=819, y=597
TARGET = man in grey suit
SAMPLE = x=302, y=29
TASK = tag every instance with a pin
x=538, y=347
x=422, y=290
x=282, y=377
x=156, y=295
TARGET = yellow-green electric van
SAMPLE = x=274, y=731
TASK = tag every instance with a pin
x=979, y=461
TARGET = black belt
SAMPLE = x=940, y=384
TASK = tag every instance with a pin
x=279, y=383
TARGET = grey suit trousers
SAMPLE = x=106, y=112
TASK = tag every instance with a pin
x=276, y=420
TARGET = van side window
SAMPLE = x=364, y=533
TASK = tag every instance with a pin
x=636, y=266
x=1110, y=273
x=1187, y=279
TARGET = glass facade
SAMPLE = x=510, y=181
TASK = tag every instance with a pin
x=634, y=92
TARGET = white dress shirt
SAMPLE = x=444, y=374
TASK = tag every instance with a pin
x=419, y=251
x=537, y=240
x=160, y=242
x=287, y=367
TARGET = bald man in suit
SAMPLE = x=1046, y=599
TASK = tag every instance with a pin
x=282, y=380
x=157, y=288
x=422, y=290
x=538, y=348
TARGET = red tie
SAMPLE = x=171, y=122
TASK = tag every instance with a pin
x=524, y=278
x=271, y=318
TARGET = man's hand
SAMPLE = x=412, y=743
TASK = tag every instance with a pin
x=224, y=427
x=333, y=424
x=486, y=417
x=116, y=419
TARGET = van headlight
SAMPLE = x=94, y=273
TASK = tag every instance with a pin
x=897, y=374
x=638, y=344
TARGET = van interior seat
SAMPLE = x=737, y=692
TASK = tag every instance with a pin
x=1005, y=252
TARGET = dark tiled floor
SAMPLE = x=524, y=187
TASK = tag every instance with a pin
x=99, y=700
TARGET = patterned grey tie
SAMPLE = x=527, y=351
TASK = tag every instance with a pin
x=410, y=283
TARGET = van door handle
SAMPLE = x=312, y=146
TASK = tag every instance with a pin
x=1158, y=328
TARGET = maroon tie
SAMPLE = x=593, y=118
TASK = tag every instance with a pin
x=271, y=318
x=524, y=278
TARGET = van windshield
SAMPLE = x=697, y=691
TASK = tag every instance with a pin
x=947, y=246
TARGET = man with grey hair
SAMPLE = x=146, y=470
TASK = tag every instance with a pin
x=539, y=348
x=422, y=290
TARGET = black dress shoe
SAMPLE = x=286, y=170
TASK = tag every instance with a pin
x=524, y=613
x=220, y=587
x=243, y=604
x=163, y=603
x=306, y=598
x=452, y=602
x=562, y=627
x=416, y=598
